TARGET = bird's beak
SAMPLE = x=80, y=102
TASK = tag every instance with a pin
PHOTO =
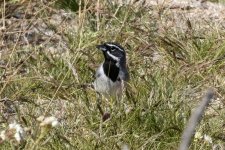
x=101, y=47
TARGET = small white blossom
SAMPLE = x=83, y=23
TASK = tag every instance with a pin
x=18, y=137
x=207, y=138
x=128, y=110
x=41, y=118
x=2, y=135
x=52, y=121
x=20, y=133
x=55, y=123
x=125, y=147
x=198, y=135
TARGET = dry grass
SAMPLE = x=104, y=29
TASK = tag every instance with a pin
x=47, y=55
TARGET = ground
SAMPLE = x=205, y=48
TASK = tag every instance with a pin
x=48, y=56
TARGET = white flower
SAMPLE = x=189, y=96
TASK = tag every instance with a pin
x=198, y=135
x=125, y=147
x=207, y=138
x=52, y=121
x=55, y=123
x=20, y=134
x=2, y=135
x=41, y=118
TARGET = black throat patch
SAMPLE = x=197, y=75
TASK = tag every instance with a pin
x=111, y=70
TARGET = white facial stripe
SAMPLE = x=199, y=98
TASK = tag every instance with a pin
x=112, y=45
x=112, y=56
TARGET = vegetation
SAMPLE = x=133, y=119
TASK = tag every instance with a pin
x=171, y=66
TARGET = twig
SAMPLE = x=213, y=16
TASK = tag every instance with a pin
x=98, y=14
x=3, y=17
x=194, y=120
x=73, y=70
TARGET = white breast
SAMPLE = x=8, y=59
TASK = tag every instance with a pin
x=104, y=85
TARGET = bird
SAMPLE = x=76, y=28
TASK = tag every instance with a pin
x=112, y=72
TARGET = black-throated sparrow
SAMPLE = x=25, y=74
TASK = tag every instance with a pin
x=113, y=71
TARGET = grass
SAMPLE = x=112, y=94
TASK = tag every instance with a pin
x=170, y=70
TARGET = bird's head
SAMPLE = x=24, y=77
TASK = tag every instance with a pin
x=113, y=52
